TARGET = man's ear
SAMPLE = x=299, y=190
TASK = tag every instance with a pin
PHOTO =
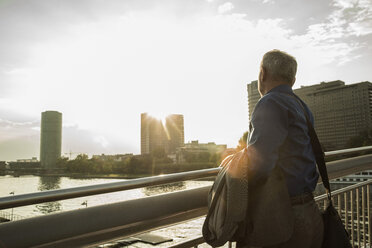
x=262, y=74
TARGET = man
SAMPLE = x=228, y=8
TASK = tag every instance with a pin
x=279, y=137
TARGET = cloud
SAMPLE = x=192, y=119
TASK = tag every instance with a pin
x=77, y=140
x=101, y=140
x=226, y=7
x=103, y=64
x=336, y=39
x=10, y=130
x=19, y=148
x=18, y=139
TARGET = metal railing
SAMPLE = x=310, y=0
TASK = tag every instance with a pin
x=6, y=216
x=348, y=151
x=353, y=204
x=97, y=224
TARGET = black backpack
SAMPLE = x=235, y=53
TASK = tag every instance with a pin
x=227, y=201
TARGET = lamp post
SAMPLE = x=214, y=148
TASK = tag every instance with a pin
x=11, y=217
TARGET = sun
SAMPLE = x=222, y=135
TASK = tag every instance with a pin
x=159, y=115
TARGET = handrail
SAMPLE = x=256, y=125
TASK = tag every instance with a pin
x=94, y=225
x=63, y=194
x=348, y=151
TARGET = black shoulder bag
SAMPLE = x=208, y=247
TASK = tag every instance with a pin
x=335, y=234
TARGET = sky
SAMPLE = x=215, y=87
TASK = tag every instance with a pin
x=104, y=62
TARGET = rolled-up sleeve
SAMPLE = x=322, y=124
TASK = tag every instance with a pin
x=269, y=129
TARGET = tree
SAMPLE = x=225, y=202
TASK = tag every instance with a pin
x=158, y=152
x=62, y=162
x=242, y=141
x=82, y=156
x=204, y=157
x=80, y=164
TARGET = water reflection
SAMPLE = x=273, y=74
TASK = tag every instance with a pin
x=155, y=190
x=48, y=183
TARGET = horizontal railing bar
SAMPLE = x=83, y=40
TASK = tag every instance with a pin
x=95, y=225
x=344, y=190
x=62, y=194
x=347, y=151
x=349, y=166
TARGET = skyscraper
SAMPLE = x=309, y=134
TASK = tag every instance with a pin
x=175, y=132
x=154, y=134
x=50, y=138
x=340, y=111
x=253, y=97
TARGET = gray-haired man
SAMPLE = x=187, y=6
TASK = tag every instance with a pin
x=279, y=137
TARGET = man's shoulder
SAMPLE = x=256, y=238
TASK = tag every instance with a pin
x=272, y=99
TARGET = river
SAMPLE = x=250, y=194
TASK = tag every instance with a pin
x=31, y=184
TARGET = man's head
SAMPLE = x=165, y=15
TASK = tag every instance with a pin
x=276, y=68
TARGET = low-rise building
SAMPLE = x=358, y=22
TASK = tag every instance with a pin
x=24, y=165
x=195, y=150
x=28, y=160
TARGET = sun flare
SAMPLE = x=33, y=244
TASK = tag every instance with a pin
x=159, y=115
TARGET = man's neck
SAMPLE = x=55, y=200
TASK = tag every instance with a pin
x=271, y=85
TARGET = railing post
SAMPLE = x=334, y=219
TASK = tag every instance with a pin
x=363, y=216
x=339, y=205
x=369, y=215
x=346, y=213
x=352, y=217
x=358, y=216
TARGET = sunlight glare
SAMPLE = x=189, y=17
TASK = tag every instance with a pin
x=159, y=115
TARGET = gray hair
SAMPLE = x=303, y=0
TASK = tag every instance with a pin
x=280, y=66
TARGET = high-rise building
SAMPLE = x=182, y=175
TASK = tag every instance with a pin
x=340, y=111
x=152, y=134
x=156, y=135
x=253, y=97
x=175, y=132
x=50, y=138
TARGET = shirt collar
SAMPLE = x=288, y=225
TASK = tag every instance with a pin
x=284, y=88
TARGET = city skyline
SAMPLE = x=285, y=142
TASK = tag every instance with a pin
x=101, y=64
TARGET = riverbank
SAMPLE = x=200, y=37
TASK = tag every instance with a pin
x=73, y=175
x=85, y=176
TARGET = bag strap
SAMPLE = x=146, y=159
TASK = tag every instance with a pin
x=317, y=149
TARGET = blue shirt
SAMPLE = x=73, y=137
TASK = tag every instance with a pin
x=279, y=136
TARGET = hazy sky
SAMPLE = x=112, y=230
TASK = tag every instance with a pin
x=103, y=62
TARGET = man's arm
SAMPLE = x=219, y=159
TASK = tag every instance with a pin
x=269, y=131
